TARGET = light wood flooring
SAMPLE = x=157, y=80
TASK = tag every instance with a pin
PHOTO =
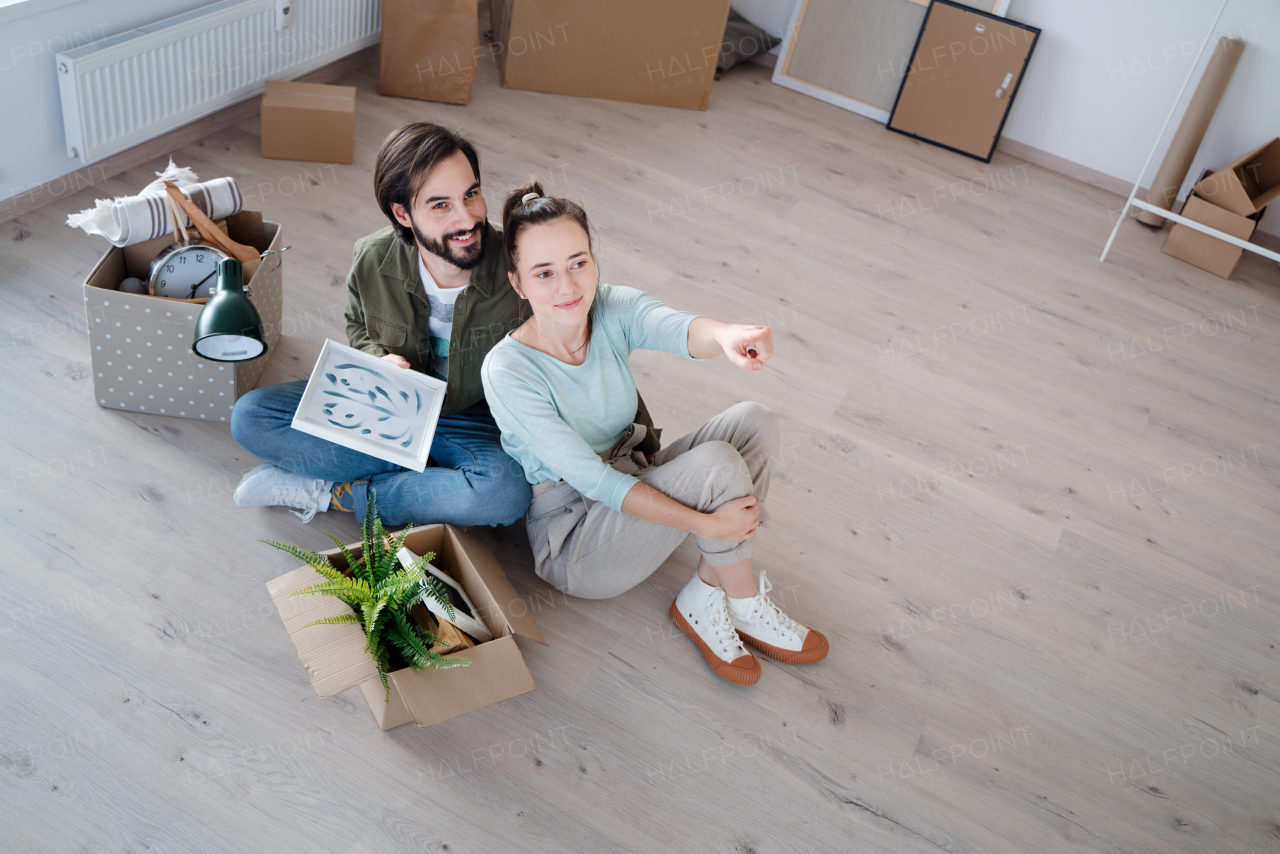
x=1030, y=498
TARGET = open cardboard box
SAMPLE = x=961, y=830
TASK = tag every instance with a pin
x=140, y=345
x=1247, y=184
x=1204, y=250
x=334, y=655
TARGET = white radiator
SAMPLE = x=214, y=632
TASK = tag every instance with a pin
x=124, y=90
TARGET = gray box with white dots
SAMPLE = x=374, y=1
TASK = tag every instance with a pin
x=140, y=345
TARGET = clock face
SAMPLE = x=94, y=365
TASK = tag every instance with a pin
x=189, y=272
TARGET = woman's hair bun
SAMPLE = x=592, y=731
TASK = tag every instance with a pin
x=529, y=205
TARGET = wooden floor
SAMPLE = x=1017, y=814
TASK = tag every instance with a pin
x=1032, y=500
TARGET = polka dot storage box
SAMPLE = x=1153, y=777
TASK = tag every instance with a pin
x=140, y=345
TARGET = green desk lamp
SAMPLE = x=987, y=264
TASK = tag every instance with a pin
x=229, y=328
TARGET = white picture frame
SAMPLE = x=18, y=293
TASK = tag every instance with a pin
x=365, y=403
x=471, y=623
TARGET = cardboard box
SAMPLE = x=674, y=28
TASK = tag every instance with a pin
x=140, y=345
x=1203, y=250
x=429, y=49
x=1246, y=185
x=309, y=121
x=661, y=52
x=335, y=659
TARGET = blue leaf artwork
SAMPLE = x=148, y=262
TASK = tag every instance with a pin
x=380, y=405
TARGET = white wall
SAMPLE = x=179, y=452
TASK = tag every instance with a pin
x=32, y=144
x=1105, y=73
x=772, y=16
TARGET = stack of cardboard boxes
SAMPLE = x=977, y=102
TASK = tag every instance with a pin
x=1231, y=200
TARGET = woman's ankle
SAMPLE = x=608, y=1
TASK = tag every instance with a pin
x=737, y=579
x=707, y=573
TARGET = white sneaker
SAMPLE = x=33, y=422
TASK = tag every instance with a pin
x=702, y=613
x=763, y=625
x=272, y=486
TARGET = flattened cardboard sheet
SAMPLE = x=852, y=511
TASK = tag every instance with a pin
x=334, y=656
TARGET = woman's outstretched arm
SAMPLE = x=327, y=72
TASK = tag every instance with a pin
x=709, y=338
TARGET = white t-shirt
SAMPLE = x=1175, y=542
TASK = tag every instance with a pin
x=436, y=353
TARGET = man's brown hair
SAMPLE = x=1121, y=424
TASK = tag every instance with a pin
x=406, y=158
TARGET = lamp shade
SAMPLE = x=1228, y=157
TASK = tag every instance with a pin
x=229, y=328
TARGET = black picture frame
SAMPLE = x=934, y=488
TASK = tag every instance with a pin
x=1035, y=31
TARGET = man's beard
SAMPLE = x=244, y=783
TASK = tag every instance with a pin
x=463, y=259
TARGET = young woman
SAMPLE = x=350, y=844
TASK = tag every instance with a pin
x=603, y=517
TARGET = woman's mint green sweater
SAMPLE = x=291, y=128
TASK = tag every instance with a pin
x=556, y=419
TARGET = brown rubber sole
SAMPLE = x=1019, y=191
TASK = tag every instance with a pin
x=744, y=670
x=815, y=648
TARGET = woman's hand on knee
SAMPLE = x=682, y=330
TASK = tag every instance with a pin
x=732, y=521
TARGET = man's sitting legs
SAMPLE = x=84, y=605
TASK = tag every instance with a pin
x=469, y=480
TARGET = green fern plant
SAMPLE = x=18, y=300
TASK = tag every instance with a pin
x=380, y=591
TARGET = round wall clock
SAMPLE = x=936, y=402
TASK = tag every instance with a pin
x=185, y=271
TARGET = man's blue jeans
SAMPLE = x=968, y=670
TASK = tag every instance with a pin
x=469, y=479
